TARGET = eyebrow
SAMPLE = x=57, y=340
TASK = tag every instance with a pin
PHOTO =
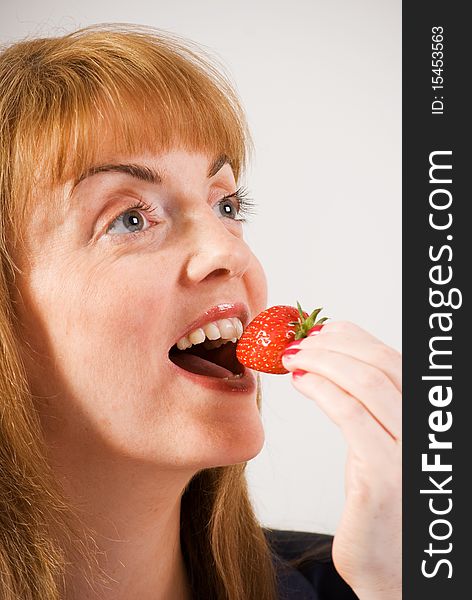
x=144, y=173
x=137, y=171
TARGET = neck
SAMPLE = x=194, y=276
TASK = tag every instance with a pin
x=135, y=514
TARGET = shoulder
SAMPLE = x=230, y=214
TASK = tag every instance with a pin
x=304, y=567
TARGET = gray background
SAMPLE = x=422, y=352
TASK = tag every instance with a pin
x=321, y=84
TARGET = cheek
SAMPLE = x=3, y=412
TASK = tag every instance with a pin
x=109, y=355
x=103, y=330
x=122, y=323
x=256, y=283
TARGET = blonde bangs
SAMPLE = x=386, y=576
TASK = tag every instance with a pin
x=127, y=90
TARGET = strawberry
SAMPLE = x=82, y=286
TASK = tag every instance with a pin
x=267, y=336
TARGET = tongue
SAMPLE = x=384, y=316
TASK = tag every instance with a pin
x=200, y=366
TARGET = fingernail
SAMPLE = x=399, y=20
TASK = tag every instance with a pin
x=294, y=344
x=298, y=373
x=315, y=330
x=291, y=351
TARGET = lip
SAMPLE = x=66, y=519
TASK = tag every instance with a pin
x=224, y=310
x=247, y=383
x=244, y=385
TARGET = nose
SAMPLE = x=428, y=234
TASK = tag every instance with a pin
x=214, y=251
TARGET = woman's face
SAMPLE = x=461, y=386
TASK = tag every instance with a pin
x=108, y=289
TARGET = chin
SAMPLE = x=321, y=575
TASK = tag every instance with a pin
x=238, y=445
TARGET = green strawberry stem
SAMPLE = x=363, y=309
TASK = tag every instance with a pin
x=304, y=324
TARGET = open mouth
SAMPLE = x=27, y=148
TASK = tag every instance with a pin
x=216, y=362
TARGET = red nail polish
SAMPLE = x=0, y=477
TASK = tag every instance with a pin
x=299, y=373
x=315, y=330
x=291, y=351
x=293, y=344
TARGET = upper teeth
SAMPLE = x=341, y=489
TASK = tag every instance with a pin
x=218, y=333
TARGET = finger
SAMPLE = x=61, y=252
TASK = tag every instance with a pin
x=366, y=383
x=349, y=328
x=364, y=348
x=365, y=436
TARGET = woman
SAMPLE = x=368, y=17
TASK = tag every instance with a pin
x=121, y=234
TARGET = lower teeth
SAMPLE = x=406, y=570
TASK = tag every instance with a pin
x=237, y=376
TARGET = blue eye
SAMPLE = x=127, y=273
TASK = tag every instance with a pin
x=229, y=209
x=236, y=205
x=131, y=220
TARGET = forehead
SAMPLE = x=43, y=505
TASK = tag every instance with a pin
x=111, y=152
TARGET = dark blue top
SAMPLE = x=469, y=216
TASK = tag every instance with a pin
x=311, y=578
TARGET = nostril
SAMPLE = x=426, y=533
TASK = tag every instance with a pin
x=219, y=272
x=204, y=272
x=217, y=258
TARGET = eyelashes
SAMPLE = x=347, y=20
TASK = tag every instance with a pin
x=141, y=206
x=244, y=206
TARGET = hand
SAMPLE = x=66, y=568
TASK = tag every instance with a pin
x=356, y=380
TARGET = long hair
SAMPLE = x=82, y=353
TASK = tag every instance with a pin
x=59, y=98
